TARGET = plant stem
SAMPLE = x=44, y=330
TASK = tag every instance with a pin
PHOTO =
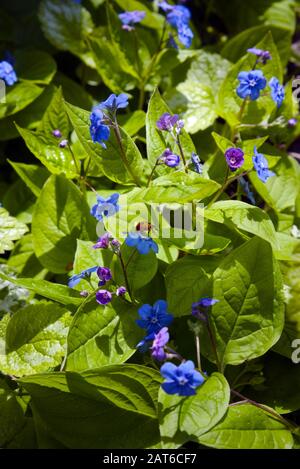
x=214, y=345
x=181, y=153
x=221, y=190
x=130, y=258
x=123, y=153
x=197, y=338
x=152, y=172
x=125, y=276
x=74, y=159
x=272, y=412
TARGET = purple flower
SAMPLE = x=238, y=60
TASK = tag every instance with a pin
x=104, y=274
x=99, y=131
x=263, y=55
x=103, y=242
x=292, y=122
x=84, y=293
x=261, y=166
x=129, y=18
x=114, y=102
x=234, y=158
x=105, y=207
x=251, y=84
x=143, y=244
x=170, y=159
x=115, y=244
x=57, y=133
x=197, y=307
x=182, y=379
x=159, y=342
x=85, y=274
x=103, y=297
x=167, y=121
x=7, y=73
x=121, y=291
x=64, y=143
x=277, y=91
x=154, y=318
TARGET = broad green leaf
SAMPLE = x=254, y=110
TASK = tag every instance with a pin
x=247, y=427
x=86, y=256
x=158, y=141
x=249, y=318
x=61, y=216
x=55, y=116
x=186, y=283
x=113, y=405
x=19, y=97
x=24, y=261
x=46, y=148
x=35, y=66
x=187, y=418
x=102, y=335
x=134, y=122
x=104, y=52
x=115, y=165
x=50, y=290
x=66, y=25
x=140, y=268
x=244, y=217
x=35, y=339
x=281, y=394
x=10, y=230
x=178, y=187
x=196, y=96
x=255, y=111
x=11, y=414
x=34, y=176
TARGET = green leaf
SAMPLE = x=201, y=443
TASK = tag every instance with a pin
x=86, y=256
x=10, y=230
x=255, y=111
x=248, y=320
x=46, y=148
x=19, y=97
x=35, y=339
x=23, y=259
x=66, y=25
x=55, y=116
x=244, y=217
x=102, y=335
x=197, y=95
x=113, y=405
x=140, y=268
x=187, y=418
x=61, y=216
x=34, y=176
x=158, y=141
x=247, y=427
x=111, y=160
x=50, y=290
x=35, y=66
x=186, y=283
x=151, y=20
x=133, y=122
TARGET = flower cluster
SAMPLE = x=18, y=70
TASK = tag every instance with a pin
x=7, y=73
x=178, y=16
x=105, y=207
x=130, y=18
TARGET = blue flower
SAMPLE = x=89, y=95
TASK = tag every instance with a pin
x=198, y=166
x=154, y=318
x=85, y=274
x=7, y=73
x=263, y=55
x=179, y=16
x=277, y=91
x=159, y=342
x=169, y=158
x=182, y=379
x=105, y=207
x=114, y=102
x=251, y=84
x=129, y=18
x=246, y=188
x=143, y=244
x=99, y=131
x=261, y=166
